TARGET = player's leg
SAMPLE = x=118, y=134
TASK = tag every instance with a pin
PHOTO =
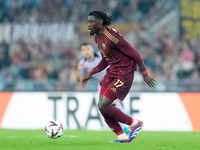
x=117, y=88
x=117, y=103
x=120, y=87
x=113, y=115
x=125, y=128
x=102, y=90
x=104, y=108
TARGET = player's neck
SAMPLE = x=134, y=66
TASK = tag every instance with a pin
x=100, y=32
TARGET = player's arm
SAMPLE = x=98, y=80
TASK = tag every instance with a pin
x=130, y=51
x=78, y=75
x=147, y=78
x=101, y=66
x=78, y=72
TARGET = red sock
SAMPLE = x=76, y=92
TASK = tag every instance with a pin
x=118, y=115
x=114, y=115
x=114, y=125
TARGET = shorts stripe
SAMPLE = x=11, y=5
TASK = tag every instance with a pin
x=107, y=93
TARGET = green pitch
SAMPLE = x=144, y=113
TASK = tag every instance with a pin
x=97, y=140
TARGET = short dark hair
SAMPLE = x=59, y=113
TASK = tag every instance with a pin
x=107, y=19
x=84, y=44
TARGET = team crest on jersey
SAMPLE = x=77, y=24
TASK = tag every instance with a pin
x=104, y=46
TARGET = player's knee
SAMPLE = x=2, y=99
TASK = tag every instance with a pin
x=100, y=107
x=103, y=104
x=100, y=102
x=103, y=107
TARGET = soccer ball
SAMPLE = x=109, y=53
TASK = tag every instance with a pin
x=54, y=129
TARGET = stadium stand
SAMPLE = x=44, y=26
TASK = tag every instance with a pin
x=39, y=44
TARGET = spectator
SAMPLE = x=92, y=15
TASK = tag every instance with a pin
x=51, y=56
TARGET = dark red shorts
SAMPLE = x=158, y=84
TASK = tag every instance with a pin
x=119, y=85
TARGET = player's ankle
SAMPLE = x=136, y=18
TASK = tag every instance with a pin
x=122, y=136
x=135, y=121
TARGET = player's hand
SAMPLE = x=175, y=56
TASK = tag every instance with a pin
x=85, y=79
x=149, y=80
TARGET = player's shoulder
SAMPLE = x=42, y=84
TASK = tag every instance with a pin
x=111, y=31
x=112, y=34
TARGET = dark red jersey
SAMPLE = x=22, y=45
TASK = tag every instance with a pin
x=116, y=52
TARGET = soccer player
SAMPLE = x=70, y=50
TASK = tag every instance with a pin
x=123, y=60
x=91, y=59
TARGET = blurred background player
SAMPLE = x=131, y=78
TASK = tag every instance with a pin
x=90, y=60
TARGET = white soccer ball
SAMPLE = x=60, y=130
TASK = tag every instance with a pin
x=54, y=129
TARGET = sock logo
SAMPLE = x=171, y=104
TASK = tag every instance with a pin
x=112, y=129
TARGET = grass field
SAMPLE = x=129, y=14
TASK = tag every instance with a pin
x=97, y=140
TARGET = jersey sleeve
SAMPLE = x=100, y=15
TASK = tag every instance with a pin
x=102, y=65
x=123, y=46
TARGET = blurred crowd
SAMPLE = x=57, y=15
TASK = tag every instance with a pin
x=169, y=57
x=49, y=11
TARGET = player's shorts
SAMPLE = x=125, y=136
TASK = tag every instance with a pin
x=119, y=85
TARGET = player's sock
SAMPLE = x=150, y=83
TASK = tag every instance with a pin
x=122, y=136
x=112, y=115
x=118, y=115
x=134, y=122
x=125, y=127
x=113, y=124
x=115, y=127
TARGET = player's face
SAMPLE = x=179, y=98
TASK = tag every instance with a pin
x=93, y=25
x=87, y=51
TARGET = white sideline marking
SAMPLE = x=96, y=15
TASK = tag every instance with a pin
x=10, y=136
x=72, y=136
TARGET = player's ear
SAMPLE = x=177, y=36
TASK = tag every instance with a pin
x=101, y=21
